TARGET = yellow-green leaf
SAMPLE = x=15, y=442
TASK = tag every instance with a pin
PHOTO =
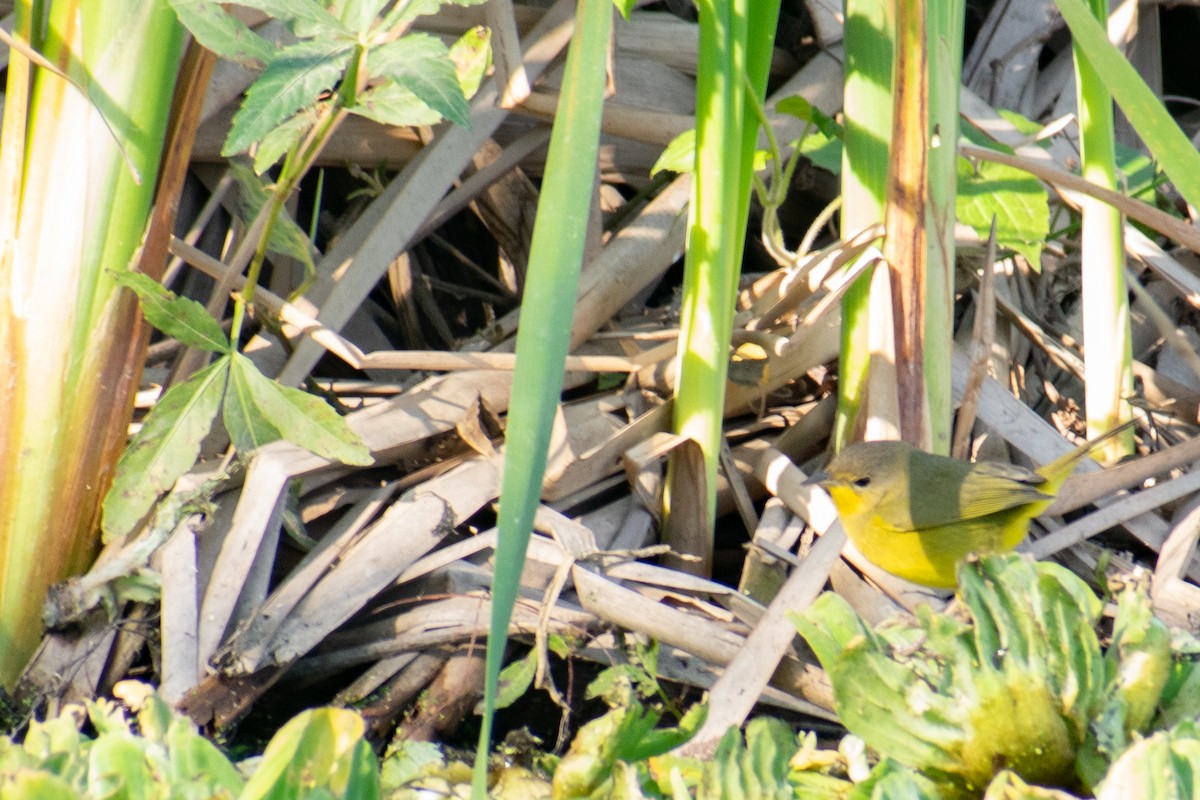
x=164, y=449
x=298, y=416
x=178, y=317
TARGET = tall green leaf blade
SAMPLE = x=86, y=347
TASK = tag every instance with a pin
x=1162, y=135
x=164, y=449
x=178, y=317
x=421, y=63
x=300, y=417
x=223, y=33
x=556, y=255
x=293, y=78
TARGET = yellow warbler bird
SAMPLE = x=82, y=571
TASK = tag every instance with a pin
x=916, y=515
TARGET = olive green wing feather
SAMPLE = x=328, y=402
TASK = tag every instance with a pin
x=993, y=487
x=982, y=489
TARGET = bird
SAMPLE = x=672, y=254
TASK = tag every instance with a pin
x=917, y=515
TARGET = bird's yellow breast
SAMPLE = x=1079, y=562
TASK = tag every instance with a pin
x=928, y=556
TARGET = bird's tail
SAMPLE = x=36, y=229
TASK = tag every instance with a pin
x=1058, y=470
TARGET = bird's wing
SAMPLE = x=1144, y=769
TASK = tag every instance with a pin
x=992, y=487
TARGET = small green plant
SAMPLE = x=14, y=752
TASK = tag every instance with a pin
x=256, y=411
x=159, y=753
x=1014, y=682
x=348, y=58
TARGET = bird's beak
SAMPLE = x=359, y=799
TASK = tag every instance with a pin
x=818, y=478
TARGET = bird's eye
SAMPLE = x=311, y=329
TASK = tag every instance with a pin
x=862, y=483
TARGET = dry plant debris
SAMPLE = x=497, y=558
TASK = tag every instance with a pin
x=302, y=570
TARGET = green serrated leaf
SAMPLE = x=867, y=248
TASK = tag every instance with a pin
x=360, y=15
x=294, y=77
x=299, y=417
x=389, y=104
x=679, y=155
x=164, y=449
x=305, y=18
x=248, y=426
x=472, y=58
x=1017, y=199
x=515, y=680
x=286, y=237
x=421, y=63
x=178, y=317
x=282, y=139
x=222, y=33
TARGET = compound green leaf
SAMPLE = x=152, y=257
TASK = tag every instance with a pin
x=299, y=417
x=281, y=139
x=223, y=33
x=286, y=237
x=421, y=63
x=164, y=449
x=391, y=104
x=294, y=77
x=248, y=425
x=179, y=317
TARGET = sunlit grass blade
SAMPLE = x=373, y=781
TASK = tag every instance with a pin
x=1108, y=359
x=1167, y=143
x=556, y=254
x=867, y=107
x=735, y=44
x=78, y=178
x=944, y=19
